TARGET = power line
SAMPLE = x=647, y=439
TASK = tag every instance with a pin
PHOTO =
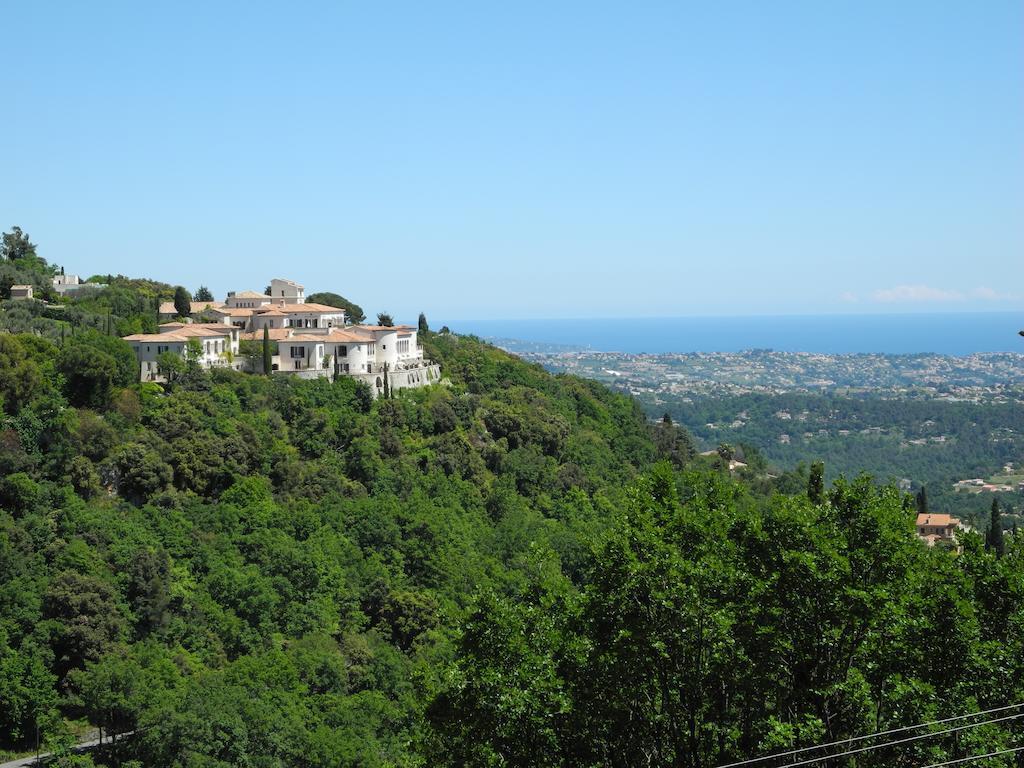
x=975, y=757
x=901, y=741
x=856, y=739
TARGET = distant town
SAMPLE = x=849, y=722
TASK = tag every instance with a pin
x=952, y=423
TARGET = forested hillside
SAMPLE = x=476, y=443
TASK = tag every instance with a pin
x=510, y=568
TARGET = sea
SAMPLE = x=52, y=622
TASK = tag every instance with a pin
x=961, y=333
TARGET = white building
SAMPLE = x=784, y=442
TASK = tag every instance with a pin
x=368, y=353
x=21, y=292
x=312, y=340
x=213, y=346
x=66, y=283
x=246, y=299
x=303, y=315
x=288, y=291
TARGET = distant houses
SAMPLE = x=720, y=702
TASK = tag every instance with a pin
x=21, y=292
x=306, y=339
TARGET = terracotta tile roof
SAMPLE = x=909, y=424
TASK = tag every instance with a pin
x=937, y=520
x=201, y=331
x=309, y=307
x=155, y=337
x=336, y=335
x=402, y=329
x=275, y=334
x=249, y=295
x=235, y=311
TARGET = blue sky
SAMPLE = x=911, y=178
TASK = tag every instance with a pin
x=571, y=159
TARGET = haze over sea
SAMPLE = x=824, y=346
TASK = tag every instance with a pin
x=941, y=333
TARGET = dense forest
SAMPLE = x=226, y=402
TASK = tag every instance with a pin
x=955, y=440
x=510, y=568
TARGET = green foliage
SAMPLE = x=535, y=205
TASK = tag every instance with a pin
x=383, y=318
x=512, y=568
x=742, y=627
x=182, y=302
x=267, y=352
x=816, y=483
x=353, y=312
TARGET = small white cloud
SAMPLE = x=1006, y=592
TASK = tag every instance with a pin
x=915, y=293
x=989, y=294
x=849, y=297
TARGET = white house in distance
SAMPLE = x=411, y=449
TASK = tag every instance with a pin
x=66, y=283
x=312, y=340
x=21, y=292
x=369, y=353
x=216, y=346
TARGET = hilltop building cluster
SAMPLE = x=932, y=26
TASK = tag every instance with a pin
x=307, y=339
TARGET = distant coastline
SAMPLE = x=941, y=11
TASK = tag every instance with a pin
x=951, y=333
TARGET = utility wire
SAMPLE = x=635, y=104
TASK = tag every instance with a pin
x=975, y=757
x=901, y=741
x=855, y=739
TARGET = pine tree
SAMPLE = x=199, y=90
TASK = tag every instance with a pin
x=922, y=502
x=816, y=483
x=267, y=357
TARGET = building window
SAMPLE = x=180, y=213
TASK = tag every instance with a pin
x=343, y=350
x=298, y=352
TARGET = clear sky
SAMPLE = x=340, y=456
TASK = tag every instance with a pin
x=548, y=159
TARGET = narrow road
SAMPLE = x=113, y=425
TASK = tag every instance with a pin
x=82, y=746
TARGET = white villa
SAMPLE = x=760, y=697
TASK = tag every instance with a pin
x=312, y=340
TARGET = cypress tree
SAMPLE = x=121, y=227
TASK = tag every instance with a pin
x=816, y=483
x=423, y=327
x=182, y=302
x=387, y=387
x=994, y=540
x=922, y=502
x=267, y=357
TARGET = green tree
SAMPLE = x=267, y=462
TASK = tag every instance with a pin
x=922, y=501
x=182, y=301
x=85, y=619
x=202, y=294
x=422, y=324
x=20, y=377
x=28, y=692
x=268, y=360
x=816, y=483
x=994, y=539
x=16, y=246
x=88, y=374
x=383, y=318
x=353, y=312
x=171, y=365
